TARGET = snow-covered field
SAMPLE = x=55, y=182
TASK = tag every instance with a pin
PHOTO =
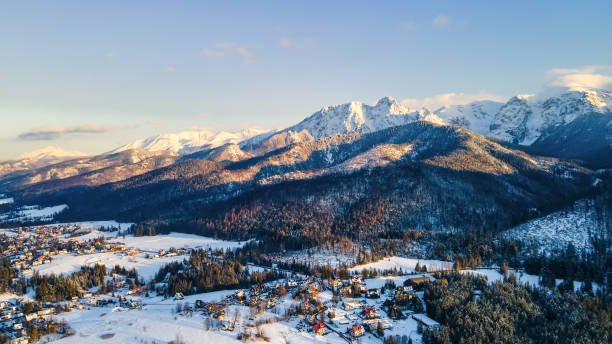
x=177, y=240
x=158, y=323
x=555, y=231
x=10, y=296
x=33, y=212
x=146, y=267
x=7, y=200
x=66, y=264
x=406, y=264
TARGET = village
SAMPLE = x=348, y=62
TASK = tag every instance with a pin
x=376, y=302
x=348, y=308
x=27, y=249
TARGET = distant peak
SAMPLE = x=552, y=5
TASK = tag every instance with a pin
x=49, y=152
x=192, y=140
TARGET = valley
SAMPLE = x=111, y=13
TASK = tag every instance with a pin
x=358, y=224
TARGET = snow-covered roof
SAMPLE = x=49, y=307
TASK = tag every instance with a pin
x=425, y=320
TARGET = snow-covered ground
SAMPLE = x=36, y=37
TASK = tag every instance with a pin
x=150, y=243
x=555, y=231
x=406, y=264
x=11, y=297
x=146, y=267
x=7, y=200
x=177, y=240
x=157, y=322
x=67, y=263
x=32, y=213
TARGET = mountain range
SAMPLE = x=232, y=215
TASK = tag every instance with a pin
x=527, y=120
x=388, y=165
x=407, y=173
x=190, y=141
x=37, y=159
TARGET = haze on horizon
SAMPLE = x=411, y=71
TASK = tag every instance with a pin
x=90, y=77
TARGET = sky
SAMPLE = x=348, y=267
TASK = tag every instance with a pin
x=90, y=76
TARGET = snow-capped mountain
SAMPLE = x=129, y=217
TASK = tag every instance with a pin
x=50, y=152
x=525, y=118
x=572, y=123
x=190, y=141
x=360, y=118
x=353, y=117
x=38, y=158
x=476, y=116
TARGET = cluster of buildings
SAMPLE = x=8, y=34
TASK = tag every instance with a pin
x=14, y=315
x=359, y=315
x=28, y=247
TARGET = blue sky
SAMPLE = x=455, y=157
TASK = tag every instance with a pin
x=100, y=74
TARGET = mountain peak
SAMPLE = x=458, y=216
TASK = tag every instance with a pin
x=49, y=152
x=190, y=141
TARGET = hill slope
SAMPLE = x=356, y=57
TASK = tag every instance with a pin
x=420, y=175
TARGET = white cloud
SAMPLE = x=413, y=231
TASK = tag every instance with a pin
x=581, y=81
x=289, y=43
x=441, y=21
x=52, y=132
x=589, y=69
x=228, y=50
x=592, y=76
x=445, y=99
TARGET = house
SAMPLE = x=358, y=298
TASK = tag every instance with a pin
x=427, y=322
x=373, y=294
x=319, y=328
x=20, y=340
x=416, y=282
x=404, y=300
x=357, y=331
x=351, y=304
x=371, y=313
x=178, y=296
x=404, y=289
x=372, y=324
x=46, y=311
x=220, y=315
x=346, y=290
x=355, y=279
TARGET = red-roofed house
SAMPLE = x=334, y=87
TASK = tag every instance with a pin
x=319, y=328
